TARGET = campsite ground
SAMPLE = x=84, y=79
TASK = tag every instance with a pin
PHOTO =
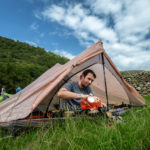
x=133, y=132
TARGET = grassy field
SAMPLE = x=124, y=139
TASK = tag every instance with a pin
x=133, y=133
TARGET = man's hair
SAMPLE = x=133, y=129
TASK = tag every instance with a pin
x=85, y=72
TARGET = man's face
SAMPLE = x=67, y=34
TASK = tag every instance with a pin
x=87, y=80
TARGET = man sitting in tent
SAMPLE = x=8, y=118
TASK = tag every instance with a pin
x=73, y=92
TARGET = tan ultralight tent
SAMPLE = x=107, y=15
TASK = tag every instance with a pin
x=109, y=85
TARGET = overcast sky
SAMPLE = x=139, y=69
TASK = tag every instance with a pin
x=67, y=27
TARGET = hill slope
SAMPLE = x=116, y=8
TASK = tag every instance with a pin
x=21, y=63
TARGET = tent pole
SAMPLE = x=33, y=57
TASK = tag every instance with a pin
x=105, y=80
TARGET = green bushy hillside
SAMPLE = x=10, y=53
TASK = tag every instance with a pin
x=20, y=63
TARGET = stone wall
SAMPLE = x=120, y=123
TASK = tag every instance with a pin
x=140, y=80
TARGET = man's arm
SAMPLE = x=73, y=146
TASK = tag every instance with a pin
x=65, y=94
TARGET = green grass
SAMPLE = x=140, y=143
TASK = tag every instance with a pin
x=131, y=134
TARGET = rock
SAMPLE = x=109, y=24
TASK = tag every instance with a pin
x=138, y=88
x=141, y=85
x=148, y=83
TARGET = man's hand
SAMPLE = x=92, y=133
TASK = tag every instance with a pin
x=83, y=96
x=97, y=99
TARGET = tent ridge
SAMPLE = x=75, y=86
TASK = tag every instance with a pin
x=88, y=57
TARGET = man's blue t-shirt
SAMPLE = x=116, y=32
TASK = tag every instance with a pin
x=74, y=104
